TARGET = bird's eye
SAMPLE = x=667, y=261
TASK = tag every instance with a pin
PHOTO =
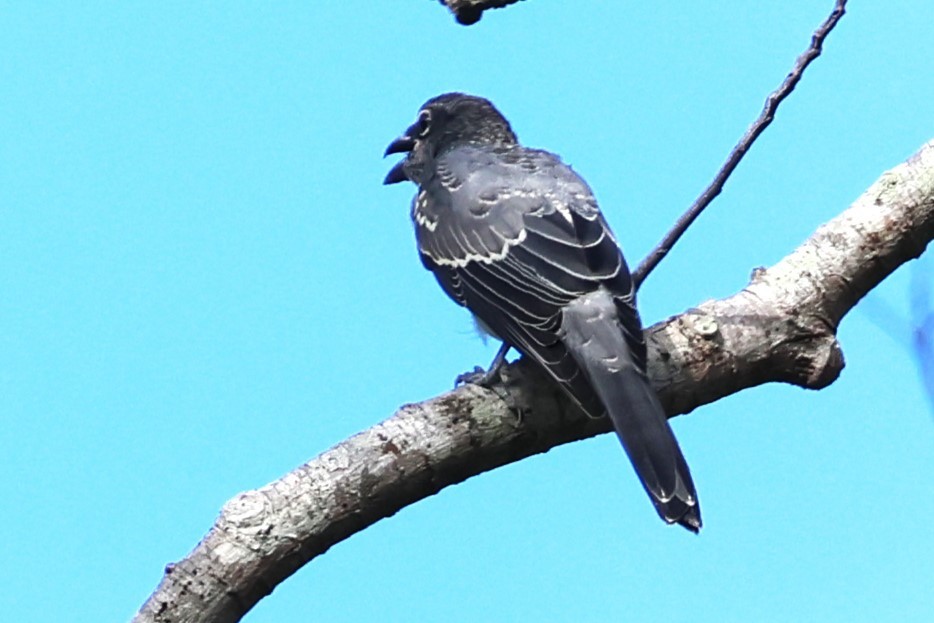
x=424, y=122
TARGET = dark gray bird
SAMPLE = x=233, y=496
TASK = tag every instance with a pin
x=516, y=236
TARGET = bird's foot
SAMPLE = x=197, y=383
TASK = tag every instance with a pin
x=481, y=377
x=477, y=376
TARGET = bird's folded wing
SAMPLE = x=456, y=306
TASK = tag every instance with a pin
x=516, y=238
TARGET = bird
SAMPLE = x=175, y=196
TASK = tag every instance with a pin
x=516, y=236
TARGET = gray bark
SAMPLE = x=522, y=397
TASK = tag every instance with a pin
x=781, y=327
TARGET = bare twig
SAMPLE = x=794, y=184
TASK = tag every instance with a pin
x=922, y=320
x=469, y=12
x=760, y=124
x=915, y=335
x=887, y=319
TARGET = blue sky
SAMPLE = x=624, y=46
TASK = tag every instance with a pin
x=204, y=284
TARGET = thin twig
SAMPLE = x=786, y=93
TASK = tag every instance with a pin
x=887, y=319
x=469, y=12
x=760, y=124
x=916, y=335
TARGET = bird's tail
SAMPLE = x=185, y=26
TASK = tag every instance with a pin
x=593, y=334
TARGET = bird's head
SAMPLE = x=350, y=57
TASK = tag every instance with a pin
x=445, y=122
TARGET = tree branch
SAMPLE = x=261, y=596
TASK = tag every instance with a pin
x=758, y=126
x=469, y=12
x=781, y=327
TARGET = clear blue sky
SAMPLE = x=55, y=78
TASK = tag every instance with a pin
x=204, y=284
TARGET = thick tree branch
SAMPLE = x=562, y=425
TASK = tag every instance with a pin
x=781, y=327
x=752, y=133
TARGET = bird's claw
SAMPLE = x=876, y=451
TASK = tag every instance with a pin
x=477, y=376
x=485, y=378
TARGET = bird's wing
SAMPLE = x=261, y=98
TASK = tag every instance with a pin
x=515, y=235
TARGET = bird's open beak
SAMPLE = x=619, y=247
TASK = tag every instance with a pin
x=403, y=144
x=396, y=174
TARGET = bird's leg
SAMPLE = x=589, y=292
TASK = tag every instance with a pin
x=482, y=377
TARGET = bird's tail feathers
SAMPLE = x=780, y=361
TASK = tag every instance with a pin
x=592, y=334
